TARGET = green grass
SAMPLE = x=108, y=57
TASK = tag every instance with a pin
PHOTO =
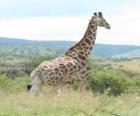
x=71, y=103
x=13, y=85
x=16, y=101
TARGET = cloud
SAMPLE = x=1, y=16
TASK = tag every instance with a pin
x=124, y=27
x=44, y=28
x=24, y=8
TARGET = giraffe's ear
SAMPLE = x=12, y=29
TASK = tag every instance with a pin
x=95, y=14
x=100, y=14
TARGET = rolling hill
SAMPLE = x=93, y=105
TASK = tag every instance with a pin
x=112, y=51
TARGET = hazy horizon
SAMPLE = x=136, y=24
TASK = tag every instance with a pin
x=52, y=40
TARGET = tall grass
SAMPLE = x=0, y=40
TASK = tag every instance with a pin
x=70, y=103
x=16, y=101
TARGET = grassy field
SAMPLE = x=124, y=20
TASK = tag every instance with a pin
x=15, y=101
x=71, y=103
x=133, y=65
x=130, y=65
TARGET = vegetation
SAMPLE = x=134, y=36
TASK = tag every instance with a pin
x=112, y=81
x=33, y=48
x=13, y=85
x=114, y=88
x=69, y=104
x=16, y=101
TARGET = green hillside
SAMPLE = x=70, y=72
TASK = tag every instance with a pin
x=28, y=48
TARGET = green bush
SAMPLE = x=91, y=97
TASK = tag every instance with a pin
x=135, y=88
x=111, y=81
x=23, y=68
x=14, y=72
x=136, y=80
x=13, y=85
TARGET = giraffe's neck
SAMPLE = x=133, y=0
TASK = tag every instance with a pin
x=83, y=48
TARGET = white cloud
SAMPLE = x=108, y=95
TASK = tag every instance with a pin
x=44, y=28
x=124, y=27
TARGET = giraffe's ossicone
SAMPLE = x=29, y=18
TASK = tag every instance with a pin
x=72, y=65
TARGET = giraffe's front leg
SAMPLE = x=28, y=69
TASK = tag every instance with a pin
x=83, y=85
x=84, y=79
x=61, y=89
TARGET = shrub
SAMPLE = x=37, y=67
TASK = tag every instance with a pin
x=135, y=88
x=13, y=85
x=14, y=72
x=136, y=80
x=112, y=81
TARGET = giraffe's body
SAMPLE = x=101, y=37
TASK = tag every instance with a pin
x=60, y=71
x=71, y=66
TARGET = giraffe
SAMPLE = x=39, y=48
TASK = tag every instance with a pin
x=72, y=65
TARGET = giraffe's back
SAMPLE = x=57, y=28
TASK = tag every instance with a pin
x=59, y=70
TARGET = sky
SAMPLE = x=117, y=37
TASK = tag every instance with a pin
x=68, y=20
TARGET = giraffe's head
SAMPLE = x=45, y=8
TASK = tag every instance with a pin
x=101, y=22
